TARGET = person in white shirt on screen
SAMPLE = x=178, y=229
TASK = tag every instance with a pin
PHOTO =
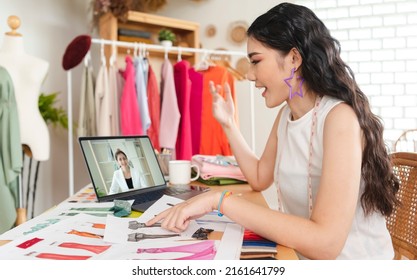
x=325, y=154
x=126, y=177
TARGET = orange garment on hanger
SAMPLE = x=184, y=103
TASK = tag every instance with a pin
x=213, y=139
x=154, y=104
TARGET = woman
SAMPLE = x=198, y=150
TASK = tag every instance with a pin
x=125, y=178
x=325, y=153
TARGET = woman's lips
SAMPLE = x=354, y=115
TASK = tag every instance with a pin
x=263, y=89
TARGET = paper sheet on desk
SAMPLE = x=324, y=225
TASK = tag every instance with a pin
x=61, y=212
x=77, y=237
x=117, y=229
x=227, y=249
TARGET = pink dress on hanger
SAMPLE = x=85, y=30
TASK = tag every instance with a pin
x=170, y=114
x=183, y=89
x=129, y=111
x=196, y=105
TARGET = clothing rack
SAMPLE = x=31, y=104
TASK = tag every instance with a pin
x=148, y=47
x=179, y=50
x=165, y=48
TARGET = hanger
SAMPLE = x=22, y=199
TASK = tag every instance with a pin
x=204, y=64
x=224, y=62
x=102, y=56
x=135, y=49
x=87, y=59
x=113, y=57
x=166, y=53
x=179, y=58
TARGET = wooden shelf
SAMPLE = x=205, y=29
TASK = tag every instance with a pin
x=187, y=32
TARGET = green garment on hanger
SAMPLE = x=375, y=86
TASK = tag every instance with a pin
x=10, y=152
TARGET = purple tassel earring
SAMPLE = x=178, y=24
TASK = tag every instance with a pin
x=300, y=93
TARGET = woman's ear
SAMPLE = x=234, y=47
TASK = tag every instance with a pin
x=296, y=58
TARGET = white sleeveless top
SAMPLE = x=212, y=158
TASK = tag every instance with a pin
x=369, y=237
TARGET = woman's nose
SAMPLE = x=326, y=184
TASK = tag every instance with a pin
x=250, y=76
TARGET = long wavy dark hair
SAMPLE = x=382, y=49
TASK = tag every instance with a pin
x=288, y=26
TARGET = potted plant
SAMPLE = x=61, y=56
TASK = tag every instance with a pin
x=50, y=112
x=166, y=37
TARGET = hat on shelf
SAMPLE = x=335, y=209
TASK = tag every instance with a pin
x=76, y=51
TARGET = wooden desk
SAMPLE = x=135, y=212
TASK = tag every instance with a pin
x=284, y=253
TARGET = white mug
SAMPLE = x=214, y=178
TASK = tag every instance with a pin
x=180, y=172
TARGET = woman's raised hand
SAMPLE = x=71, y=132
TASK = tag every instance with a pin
x=223, y=109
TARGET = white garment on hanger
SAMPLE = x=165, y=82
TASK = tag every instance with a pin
x=141, y=93
x=103, y=102
x=114, y=99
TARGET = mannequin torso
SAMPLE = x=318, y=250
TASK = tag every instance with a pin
x=27, y=73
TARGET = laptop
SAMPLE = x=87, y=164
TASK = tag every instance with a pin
x=147, y=182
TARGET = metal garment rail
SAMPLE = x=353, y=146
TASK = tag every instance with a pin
x=167, y=49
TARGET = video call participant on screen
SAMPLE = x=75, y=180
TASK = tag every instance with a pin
x=126, y=177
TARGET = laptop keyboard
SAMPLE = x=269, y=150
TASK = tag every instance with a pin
x=155, y=195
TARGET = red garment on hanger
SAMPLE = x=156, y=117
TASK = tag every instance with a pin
x=183, y=90
x=213, y=139
x=196, y=105
x=129, y=111
x=154, y=104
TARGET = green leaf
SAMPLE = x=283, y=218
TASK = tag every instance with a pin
x=50, y=112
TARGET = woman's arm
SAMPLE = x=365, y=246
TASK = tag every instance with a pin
x=138, y=178
x=114, y=188
x=324, y=235
x=258, y=172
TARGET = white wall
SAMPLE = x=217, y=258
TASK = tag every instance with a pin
x=379, y=41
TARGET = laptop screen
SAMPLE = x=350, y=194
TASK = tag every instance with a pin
x=119, y=165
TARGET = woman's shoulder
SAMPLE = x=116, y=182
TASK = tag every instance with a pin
x=330, y=105
x=339, y=112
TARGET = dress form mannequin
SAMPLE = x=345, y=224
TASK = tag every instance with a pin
x=27, y=73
